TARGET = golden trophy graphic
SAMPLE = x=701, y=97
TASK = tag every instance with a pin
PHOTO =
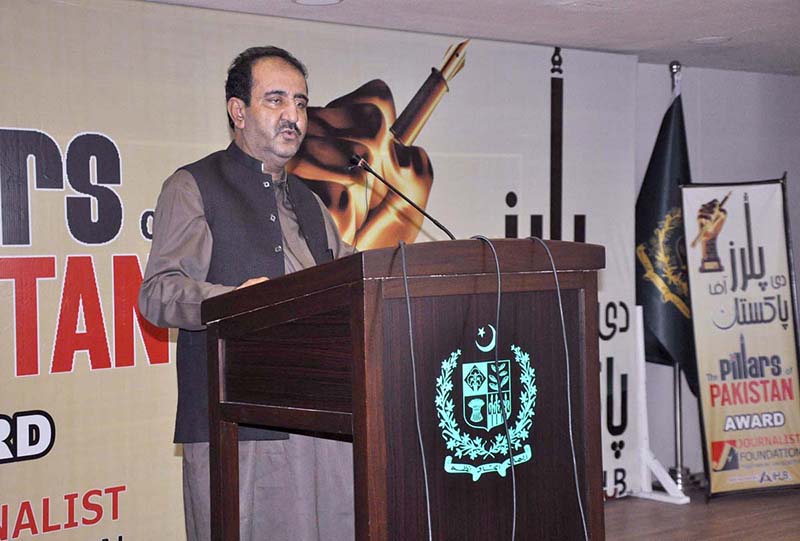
x=710, y=218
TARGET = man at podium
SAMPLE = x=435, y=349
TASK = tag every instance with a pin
x=230, y=220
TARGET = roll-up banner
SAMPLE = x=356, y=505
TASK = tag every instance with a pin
x=744, y=314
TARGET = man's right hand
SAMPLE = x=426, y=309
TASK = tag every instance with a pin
x=252, y=282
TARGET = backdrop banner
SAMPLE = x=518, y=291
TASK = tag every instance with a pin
x=743, y=298
x=106, y=99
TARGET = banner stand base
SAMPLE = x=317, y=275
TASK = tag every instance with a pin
x=673, y=494
x=649, y=464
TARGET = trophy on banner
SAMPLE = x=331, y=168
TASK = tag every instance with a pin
x=710, y=219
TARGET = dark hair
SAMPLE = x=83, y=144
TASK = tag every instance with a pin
x=240, y=75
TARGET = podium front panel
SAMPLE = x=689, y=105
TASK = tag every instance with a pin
x=462, y=393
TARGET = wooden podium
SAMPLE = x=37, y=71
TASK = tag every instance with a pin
x=326, y=351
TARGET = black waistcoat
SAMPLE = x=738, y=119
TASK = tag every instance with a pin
x=241, y=210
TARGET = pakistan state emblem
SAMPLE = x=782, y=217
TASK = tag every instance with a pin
x=486, y=408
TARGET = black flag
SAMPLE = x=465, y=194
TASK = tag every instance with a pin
x=662, y=286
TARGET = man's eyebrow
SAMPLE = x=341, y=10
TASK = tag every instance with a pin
x=276, y=92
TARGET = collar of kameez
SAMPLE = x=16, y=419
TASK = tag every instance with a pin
x=250, y=162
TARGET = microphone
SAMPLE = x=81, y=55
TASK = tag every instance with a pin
x=358, y=161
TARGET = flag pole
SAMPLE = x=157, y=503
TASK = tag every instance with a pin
x=680, y=474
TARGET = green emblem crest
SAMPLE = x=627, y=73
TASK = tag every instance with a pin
x=486, y=391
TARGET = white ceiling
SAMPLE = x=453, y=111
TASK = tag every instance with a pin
x=764, y=35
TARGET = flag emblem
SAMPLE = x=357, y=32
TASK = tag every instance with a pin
x=663, y=257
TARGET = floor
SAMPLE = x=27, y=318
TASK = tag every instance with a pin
x=769, y=516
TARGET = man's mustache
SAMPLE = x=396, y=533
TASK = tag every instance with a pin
x=289, y=126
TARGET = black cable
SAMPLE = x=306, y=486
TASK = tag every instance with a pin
x=502, y=404
x=569, y=397
x=416, y=400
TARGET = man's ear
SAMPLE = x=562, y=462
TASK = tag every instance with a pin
x=236, y=109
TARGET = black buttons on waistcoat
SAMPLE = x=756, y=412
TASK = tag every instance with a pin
x=272, y=217
x=266, y=184
x=278, y=249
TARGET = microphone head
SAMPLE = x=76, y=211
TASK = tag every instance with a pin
x=356, y=161
x=353, y=162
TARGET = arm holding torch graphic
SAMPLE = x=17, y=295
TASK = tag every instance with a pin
x=710, y=218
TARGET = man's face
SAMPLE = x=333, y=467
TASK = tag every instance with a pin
x=274, y=124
